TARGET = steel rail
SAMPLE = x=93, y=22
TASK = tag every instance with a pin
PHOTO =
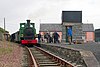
x=33, y=61
x=56, y=58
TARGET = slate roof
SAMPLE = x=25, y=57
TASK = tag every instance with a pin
x=88, y=27
x=50, y=27
x=97, y=29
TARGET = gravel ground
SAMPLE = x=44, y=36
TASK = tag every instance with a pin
x=10, y=54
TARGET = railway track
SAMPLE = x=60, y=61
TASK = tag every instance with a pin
x=41, y=58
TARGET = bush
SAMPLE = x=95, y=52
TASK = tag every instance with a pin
x=2, y=30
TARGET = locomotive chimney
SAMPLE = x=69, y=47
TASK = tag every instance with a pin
x=28, y=23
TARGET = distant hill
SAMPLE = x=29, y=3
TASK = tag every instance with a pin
x=2, y=30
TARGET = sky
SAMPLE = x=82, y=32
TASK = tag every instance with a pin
x=46, y=11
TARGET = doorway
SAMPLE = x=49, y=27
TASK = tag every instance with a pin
x=67, y=33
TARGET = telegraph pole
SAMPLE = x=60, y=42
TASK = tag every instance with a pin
x=4, y=24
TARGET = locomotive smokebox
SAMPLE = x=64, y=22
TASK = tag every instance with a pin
x=28, y=23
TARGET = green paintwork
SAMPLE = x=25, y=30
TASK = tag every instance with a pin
x=23, y=26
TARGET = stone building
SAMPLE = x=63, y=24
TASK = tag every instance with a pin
x=97, y=35
x=73, y=19
x=80, y=32
x=51, y=28
x=88, y=30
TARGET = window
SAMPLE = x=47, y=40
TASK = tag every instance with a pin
x=31, y=25
x=22, y=25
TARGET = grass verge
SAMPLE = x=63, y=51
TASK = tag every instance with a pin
x=5, y=50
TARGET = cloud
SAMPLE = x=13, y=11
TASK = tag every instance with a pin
x=17, y=11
